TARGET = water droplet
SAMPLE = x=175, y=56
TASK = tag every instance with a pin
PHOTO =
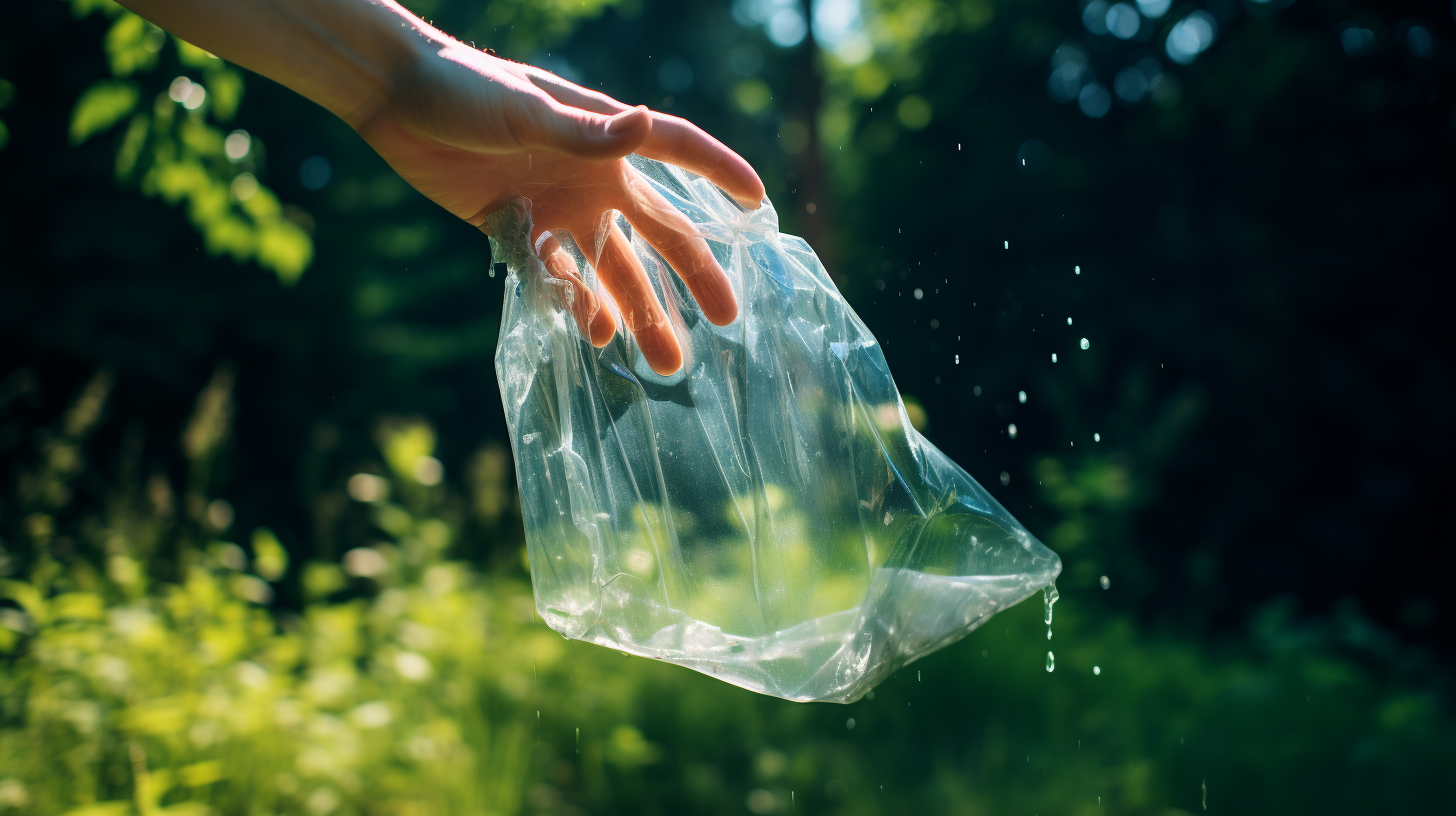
x=1097, y=437
x=1085, y=344
x=1105, y=582
x=1049, y=633
x=1051, y=662
x=1011, y=430
x=849, y=723
x=1008, y=244
x=1050, y=596
x=1077, y=269
x=1096, y=670
x=919, y=293
x=1054, y=357
x=1069, y=321
x=958, y=359
x=1005, y=478
x=1021, y=397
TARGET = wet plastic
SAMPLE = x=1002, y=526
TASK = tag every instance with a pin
x=767, y=515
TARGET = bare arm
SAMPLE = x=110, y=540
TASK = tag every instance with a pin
x=473, y=132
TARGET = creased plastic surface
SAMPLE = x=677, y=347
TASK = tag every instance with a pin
x=767, y=515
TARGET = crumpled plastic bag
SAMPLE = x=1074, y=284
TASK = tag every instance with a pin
x=767, y=515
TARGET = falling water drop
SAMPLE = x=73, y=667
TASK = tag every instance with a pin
x=1049, y=633
x=1021, y=397
x=1096, y=670
x=1011, y=430
x=1050, y=596
x=1077, y=269
x=1069, y=321
x=1085, y=344
x=1105, y=582
x=1054, y=357
x=1097, y=437
x=1008, y=244
x=1051, y=662
x=958, y=359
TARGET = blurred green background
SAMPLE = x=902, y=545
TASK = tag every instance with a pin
x=259, y=551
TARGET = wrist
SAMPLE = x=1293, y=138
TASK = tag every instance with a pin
x=397, y=46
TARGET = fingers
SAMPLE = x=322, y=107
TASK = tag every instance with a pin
x=680, y=142
x=623, y=275
x=540, y=122
x=672, y=139
x=671, y=234
x=596, y=322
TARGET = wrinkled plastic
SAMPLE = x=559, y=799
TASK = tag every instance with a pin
x=767, y=515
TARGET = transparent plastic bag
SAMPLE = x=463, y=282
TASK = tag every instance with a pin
x=767, y=515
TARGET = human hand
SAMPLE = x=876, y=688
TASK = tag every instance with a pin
x=473, y=132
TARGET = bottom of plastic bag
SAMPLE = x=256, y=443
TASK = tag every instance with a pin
x=834, y=658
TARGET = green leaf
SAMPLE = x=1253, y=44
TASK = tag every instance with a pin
x=131, y=145
x=127, y=49
x=191, y=55
x=286, y=249
x=225, y=89
x=101, y=106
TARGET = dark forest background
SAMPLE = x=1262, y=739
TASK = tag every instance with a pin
x=1247, y=426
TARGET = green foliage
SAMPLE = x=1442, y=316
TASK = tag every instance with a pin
x=249, y=630
x=132, y=44
x=147, y=667
x=7, y=93
x=176, y=151
x=101, y=106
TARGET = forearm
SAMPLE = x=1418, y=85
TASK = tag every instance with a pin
x=342, y=54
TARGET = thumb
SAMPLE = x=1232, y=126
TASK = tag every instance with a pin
x=545, y=124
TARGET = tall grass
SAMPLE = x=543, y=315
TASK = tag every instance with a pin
x=149, y=668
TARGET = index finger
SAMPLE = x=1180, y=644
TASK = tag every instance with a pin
x=673, y=140
x=677, y=141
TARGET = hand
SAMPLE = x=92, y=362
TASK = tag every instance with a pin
x=473, y=132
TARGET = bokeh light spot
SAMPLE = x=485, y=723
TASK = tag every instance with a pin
x=1094, y=100
x=315, y=172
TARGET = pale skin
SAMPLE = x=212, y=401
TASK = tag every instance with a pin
x=474, y=132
